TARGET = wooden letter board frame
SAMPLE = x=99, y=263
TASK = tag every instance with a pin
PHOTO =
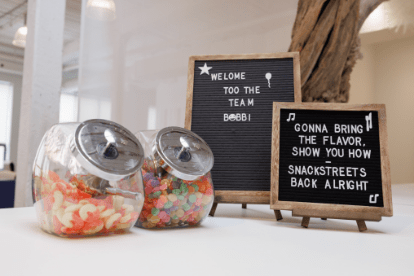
x=244, y=197
x=335, y=211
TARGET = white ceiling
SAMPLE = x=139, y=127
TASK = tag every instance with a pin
x=12, y=14
x=163, y=17
x=9, y=23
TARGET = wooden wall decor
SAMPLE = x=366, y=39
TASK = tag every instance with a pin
x=229, y=104
x=331, y=161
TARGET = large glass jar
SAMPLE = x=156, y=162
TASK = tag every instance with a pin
x=87, y=179
x=176, y=172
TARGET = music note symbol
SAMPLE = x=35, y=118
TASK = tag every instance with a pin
x=368, y=118
x=291, y=117
x=373, y=198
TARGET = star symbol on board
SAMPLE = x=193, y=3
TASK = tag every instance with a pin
x=205, y=69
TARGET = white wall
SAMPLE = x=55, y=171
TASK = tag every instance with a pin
x=140, y=60
x=385, y=75
x=16, y=80
x=394, y=85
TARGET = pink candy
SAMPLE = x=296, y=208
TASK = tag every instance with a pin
x=164, y=216
x=148, y=190
x=159, y=204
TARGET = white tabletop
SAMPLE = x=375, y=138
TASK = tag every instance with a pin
x=234, y=242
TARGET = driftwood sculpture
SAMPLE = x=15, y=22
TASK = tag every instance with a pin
x=326, y=35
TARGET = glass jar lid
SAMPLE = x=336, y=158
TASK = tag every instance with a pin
x=107, y=149
x=182, y=153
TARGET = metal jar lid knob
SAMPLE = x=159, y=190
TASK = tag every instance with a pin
x=188, y=144
x=107, y=149
x=182, y=153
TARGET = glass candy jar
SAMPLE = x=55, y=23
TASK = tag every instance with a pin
x=176, y=172
x=87, y=179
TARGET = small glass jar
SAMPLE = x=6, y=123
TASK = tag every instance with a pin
x=176, y=172
x=87, y=179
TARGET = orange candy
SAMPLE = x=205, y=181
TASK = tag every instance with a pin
x=163, y=198
x=53, y=176
x=93, y=217
x=72, y=195
x=91, y=225
x=77, y=222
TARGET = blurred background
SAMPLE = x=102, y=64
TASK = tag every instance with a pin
x=127, y=61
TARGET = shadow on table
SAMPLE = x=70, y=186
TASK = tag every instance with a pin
x=399, y=225
x=256, y=212
x=260, y=212
x=319, y=224
x=34, y=227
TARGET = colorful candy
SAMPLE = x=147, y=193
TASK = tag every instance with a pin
x=173, y=202
x=68, y=209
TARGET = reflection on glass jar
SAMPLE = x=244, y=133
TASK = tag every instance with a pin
x=80, y=187
x=176, y=173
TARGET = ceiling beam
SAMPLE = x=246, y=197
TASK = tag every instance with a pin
x=12, y=10
x=11, y=58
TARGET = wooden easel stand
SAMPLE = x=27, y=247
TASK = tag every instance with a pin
x=361, y=223
x=278, y=214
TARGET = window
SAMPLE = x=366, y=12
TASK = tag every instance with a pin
x=90, y=107
x=68, y=110
x=94, y=108
x=6, y=107
x=152, y=117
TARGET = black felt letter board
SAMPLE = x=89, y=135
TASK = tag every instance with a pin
x=232, y=112
x=330, y=156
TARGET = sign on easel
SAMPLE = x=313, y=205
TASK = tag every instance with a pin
x=229, y=104
x=331, y=161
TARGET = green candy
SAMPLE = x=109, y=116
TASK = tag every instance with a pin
x=183, y=186
x=175, y=217
x=155, y=211
x=184, y=191
x=180, y=197
x=176, y=191
x=195, y=187
x=192, y=198
x=167, y=205
x=185, y=207
x=157, y=194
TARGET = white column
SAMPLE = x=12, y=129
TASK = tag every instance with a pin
x=42, y=78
